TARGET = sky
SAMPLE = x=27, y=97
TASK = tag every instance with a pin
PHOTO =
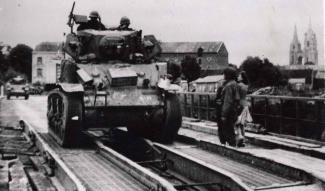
x=261, y=28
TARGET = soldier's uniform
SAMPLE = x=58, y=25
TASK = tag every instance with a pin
x=124, y=25
x=93, y=23
x=230, y=98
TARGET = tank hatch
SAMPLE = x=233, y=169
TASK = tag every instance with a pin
x=124, y=76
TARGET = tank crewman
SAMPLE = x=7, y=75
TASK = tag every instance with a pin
x=124, y=24
x=93, y=23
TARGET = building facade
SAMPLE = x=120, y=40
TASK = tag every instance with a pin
x=46, y=63
x=214, y=54
x=310, y=47
x=296, y=54
x=309, y=54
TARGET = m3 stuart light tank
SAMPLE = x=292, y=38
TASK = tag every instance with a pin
x=111, y=80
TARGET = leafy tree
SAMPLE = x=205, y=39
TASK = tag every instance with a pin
x=190, y=68
x=262, y=73
x=3, y=65
x=251, y=66
x=174, y=70
x=20, y=58
x=11, y=73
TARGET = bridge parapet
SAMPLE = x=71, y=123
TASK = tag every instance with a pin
x=298, y=116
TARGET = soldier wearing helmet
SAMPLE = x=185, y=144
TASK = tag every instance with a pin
x=93, y=23
x=228, y=99
x=124, y=24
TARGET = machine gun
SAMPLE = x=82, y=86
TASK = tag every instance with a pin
x=71, y=20
x=74, y=18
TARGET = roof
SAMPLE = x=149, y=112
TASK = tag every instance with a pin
x=299, y=67
x=49, y=46
x=210, y=79
x=320, y=74
x=190, y=47
x=297, y=80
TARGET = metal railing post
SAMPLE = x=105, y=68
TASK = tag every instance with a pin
x=265, y=111
x=281, y=114
x=192, y=105
x=297, y=117
x=208, y=107
x=199, y=110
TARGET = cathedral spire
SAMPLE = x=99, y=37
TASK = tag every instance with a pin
x=295, y=35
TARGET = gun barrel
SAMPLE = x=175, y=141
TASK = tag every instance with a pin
x=71, y=14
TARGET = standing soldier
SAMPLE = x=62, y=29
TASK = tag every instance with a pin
x=230, y=102
x=218, y=112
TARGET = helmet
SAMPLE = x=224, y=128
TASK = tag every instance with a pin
x=230, y=73
x=125, y=21
x=94, y=14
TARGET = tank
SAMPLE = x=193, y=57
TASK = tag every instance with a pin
x=112, y=79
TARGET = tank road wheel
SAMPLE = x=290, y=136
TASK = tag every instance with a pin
x=168, y=120
x=64, y=114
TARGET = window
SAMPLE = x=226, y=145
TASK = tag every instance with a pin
x=300, y=60
x=39, y=72
x=39, y=61
x=307, y=43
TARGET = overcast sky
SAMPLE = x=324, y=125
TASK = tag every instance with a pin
x=247, y=27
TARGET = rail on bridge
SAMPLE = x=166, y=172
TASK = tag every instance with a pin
x=298, y=116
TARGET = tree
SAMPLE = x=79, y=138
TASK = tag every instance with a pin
x=251, y=66
x=11, y=73
x=174, y=70
x=190, y=68
x=3, y=65
x=261, y=73
x=20, y=58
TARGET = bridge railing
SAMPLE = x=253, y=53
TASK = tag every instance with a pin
x=199, y=105
x=299, y=116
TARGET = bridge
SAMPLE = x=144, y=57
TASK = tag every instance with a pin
x=296, y=117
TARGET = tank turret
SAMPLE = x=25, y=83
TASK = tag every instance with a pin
x=107, y=45
x=112, y=80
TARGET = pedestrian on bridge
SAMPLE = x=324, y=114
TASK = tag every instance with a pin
x=242, y=110
x=229, y=98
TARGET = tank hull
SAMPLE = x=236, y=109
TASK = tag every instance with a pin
x=150, y=114
x=109, y=95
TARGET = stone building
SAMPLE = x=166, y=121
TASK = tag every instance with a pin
x=309, y=54
x=46, y=62
x=214, y=54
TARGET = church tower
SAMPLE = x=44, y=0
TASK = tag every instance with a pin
x=310, y=47
x=296, y=54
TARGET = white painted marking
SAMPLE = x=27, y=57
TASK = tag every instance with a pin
x=75, y=118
